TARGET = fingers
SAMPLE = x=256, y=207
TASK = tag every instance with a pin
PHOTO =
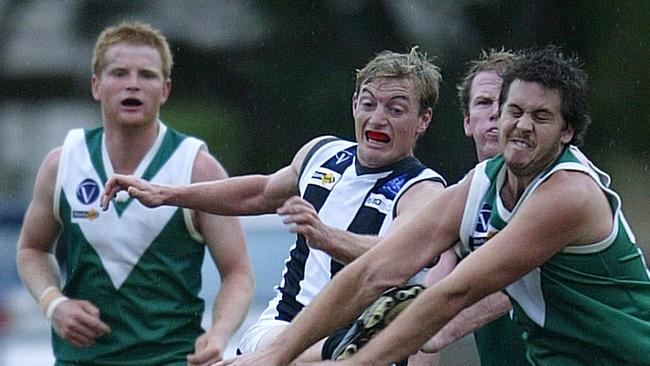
x=78, y=322
x=298, y=211
x=135, y=193
x=295, y=204
x=205, y=353
x=93, y=320
x=115, y=184
x=137, y=188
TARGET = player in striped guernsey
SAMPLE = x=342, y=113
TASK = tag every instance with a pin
x=556, y=240
x=338, y=195
x=132, y=275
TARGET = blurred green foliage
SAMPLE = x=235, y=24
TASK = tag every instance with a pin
x=212, y=122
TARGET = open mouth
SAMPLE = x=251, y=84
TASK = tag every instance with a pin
x=377, y=136
x=131, y=102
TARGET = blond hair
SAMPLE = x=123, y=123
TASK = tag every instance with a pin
x=135, y=33
x=414, y=65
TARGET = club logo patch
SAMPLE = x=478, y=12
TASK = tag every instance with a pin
x=87, y=191
x=325, y=178
x=483, y=218
x=482, y=231
x=343, y=156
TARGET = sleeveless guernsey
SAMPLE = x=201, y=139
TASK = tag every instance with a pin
x=141, y=267
x=346, y=196
x=587, y=305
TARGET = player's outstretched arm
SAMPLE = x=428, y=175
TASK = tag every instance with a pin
x=469, y=320
x=245, y=195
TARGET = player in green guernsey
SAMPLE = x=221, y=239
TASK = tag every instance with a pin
x=498, y=340
x=131, y=275
x=543, y=225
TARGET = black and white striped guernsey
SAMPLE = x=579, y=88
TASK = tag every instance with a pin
x=348, y=196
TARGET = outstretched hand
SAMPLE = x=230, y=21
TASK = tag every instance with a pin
x=148, y=194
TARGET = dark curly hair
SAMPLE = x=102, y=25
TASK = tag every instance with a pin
x=553, y=69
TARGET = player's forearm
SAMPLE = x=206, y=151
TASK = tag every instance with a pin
x=231, y=305
x=468, y=320
x=345, y=246
x=38, y=270
x=232, y=196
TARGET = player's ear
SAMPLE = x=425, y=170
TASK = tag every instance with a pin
x=166, y=90
x=466, y=126
x=424, y=119
x=94, y=87
x=567, y=133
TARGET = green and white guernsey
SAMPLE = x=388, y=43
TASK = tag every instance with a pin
x=587, y=305
x=141, y=267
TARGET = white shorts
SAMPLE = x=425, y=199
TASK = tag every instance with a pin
x=261, y=333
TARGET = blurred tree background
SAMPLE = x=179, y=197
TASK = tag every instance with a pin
x=257, y=79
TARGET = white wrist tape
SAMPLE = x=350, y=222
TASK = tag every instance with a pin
x=53, y=305
x=47, y=291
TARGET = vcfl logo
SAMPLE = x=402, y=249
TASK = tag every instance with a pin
x=342, y=156
x=483, y=219
x=87, y=191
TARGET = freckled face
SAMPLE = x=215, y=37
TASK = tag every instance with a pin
x=387, y=122
x=131, y=88
x=483, y=111
x=531, y=127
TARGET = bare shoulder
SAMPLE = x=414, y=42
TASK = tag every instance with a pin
x=49, y=168
x=418, y=195
x=45, y=183
x=570, y=188
x=574, y=197
x=207, y=167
